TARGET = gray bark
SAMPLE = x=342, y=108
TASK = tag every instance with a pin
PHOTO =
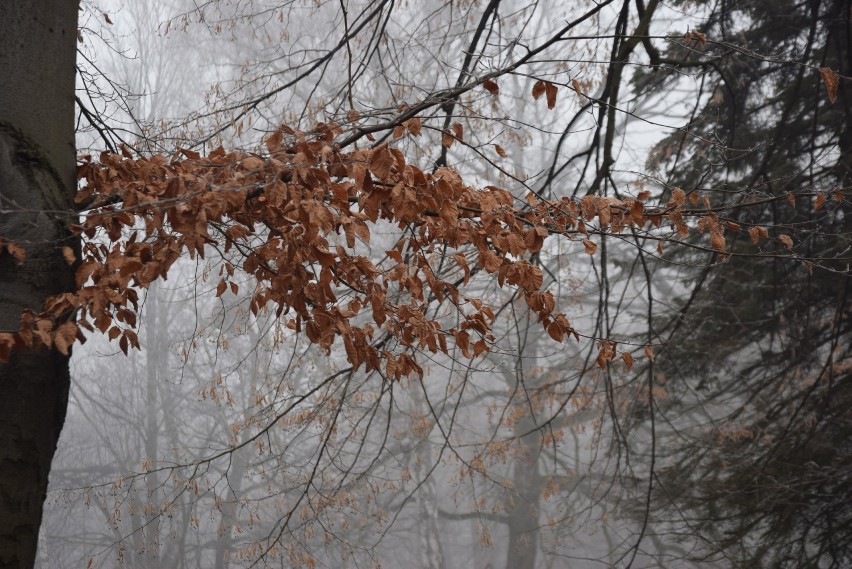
x=37, y=56
x=523, y=512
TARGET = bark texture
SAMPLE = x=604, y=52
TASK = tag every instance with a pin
x=37, y=183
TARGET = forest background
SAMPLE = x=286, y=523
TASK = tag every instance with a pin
x=694, y=413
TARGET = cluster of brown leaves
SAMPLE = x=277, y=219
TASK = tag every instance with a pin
x=276, y=214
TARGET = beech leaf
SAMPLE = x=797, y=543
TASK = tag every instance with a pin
x=831, y=80
x=491, y=86
x=551, y=89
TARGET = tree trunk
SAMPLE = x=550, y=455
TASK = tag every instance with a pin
x=523, y=511
x=37, y=55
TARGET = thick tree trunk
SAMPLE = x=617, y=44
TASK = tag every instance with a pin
x=37, y=55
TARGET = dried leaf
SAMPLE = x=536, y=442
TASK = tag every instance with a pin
x=717, y=240
x=500, y=151
x=458, y=130
x=819, y=202
x=462, y=261
x=491, y=86
x=191, y=154
x=551, y=95
x=479, y=347
x=414, y=126
x=381, y=162
x=786, y=240
x=831, y=80
x=627, y=358
x=590, y=246
x=447, y=139
x=606, y=353
x=7, y=343
x=64, y=336
x=556, y=332
x=649, y=353
x=697, y=36
x=754, y=233
x=18, y=252
x=538, y=89
x=68, y=255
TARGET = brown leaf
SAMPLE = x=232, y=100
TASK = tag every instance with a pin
x=449, y=212
x=491, y=86
x=819, y=202
x=458, y=130
x=538, y=89
x=786, y=240
x=381, y=162
x=831, y=81
x=64, y=336
x=447, y=139
x=7, y=343
x=68, y=254
x=462, y=261
x=414, y=126
x=590, y=246
x=697, y=36
x=717, y=240
x=500, y=151
x=551, y=95
x=252, y=163
x=556, y=332
x=649, y=353
x=18, y=252
x=606, y=353
x=273, y=141
x=627, y=358
x=754, y=233
x=479, y=347
x=220, y=288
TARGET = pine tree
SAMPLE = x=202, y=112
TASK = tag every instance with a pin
x=763, y=341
